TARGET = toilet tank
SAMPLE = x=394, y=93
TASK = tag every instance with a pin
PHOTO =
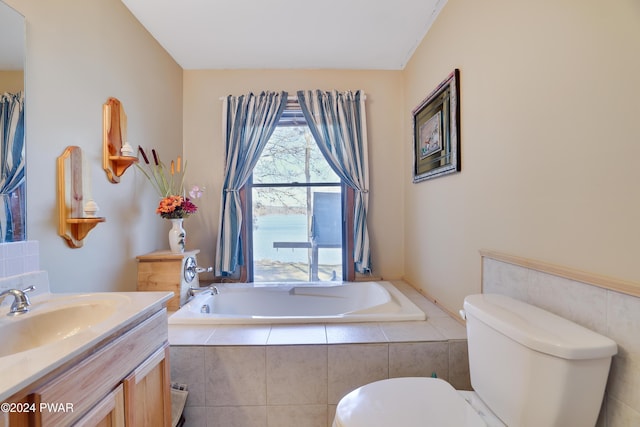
x=533, y=368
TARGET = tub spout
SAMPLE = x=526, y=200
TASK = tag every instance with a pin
x=194, y=291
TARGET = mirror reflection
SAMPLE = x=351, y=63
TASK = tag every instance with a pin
x=12, y=140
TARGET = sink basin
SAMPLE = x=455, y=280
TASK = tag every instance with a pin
x=48, y=323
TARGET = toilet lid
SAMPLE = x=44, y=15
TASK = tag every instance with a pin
x=406, y=402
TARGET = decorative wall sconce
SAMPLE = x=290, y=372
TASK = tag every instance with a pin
x=117, y=154
x=76, y=216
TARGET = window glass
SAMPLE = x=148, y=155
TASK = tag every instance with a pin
x=292, y=156
x=296, y=210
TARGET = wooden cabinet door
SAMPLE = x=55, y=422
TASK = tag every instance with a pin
x=147, y=392
x=109, y=412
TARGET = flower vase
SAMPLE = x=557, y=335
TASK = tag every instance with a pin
x=177, y=236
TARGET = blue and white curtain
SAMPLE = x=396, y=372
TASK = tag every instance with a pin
x=12, y=158
x=337, y=122
x=249, y=121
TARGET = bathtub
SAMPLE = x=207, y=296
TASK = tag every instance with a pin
x=298, y=303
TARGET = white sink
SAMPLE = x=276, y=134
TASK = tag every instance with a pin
x=55, y=320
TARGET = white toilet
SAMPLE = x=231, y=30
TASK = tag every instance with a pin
x=529, y=368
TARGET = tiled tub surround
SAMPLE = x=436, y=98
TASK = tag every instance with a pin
x=609, y=312
x=294, y=375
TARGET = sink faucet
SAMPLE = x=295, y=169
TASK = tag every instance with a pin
x=21, y=301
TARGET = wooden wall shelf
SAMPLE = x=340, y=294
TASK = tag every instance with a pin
x=114, y=137
x=80, y=227
x=118, y=165
x=73, y=224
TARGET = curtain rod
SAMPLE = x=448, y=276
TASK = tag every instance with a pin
x=290, y=100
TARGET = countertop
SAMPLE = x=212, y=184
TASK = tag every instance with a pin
x=18, y=370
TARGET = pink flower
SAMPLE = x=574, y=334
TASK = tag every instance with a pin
x=196, y=192
x=189, y=207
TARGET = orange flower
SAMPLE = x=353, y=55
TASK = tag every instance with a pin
x=169, y=204
x=172, y=207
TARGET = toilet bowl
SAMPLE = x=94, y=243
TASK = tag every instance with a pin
x=532, y=368
x=424, y=402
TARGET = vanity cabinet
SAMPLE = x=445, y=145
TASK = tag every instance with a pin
x=122, y=382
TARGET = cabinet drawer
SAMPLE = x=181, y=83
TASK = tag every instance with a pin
x=97, y=375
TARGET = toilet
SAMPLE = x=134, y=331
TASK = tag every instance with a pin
x=529, y=368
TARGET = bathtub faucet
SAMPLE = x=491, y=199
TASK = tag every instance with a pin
x=193, y=291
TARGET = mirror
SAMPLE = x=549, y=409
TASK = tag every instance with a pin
x=12, y=141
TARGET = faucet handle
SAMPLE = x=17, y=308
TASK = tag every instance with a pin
x=24, y=294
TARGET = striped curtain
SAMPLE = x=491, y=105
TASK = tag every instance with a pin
x=249, y=121
x=337, y=122
x=12, y=158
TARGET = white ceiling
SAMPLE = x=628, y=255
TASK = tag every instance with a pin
x=320, y=34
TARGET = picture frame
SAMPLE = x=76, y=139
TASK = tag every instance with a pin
x=436, y=134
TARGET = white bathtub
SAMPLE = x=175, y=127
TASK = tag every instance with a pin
x=298, y=303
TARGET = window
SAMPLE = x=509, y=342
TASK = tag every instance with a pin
x=295, y=204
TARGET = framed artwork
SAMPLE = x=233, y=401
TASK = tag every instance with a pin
x=436, y=135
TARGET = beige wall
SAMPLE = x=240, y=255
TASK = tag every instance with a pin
x=550, y=141
x=204, y=148
x=79, y=53
x=11, y=81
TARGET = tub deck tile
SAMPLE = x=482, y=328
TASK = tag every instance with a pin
x=190, y=334
x=449, y=327
x=411, y=331
x=297, y=334
x=434, y=329
x=240, y=335
x=354, y=333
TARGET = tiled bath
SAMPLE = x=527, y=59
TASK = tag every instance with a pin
x=294, y=375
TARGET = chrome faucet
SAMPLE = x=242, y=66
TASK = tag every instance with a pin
x=194, y=291
x=21, y=301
